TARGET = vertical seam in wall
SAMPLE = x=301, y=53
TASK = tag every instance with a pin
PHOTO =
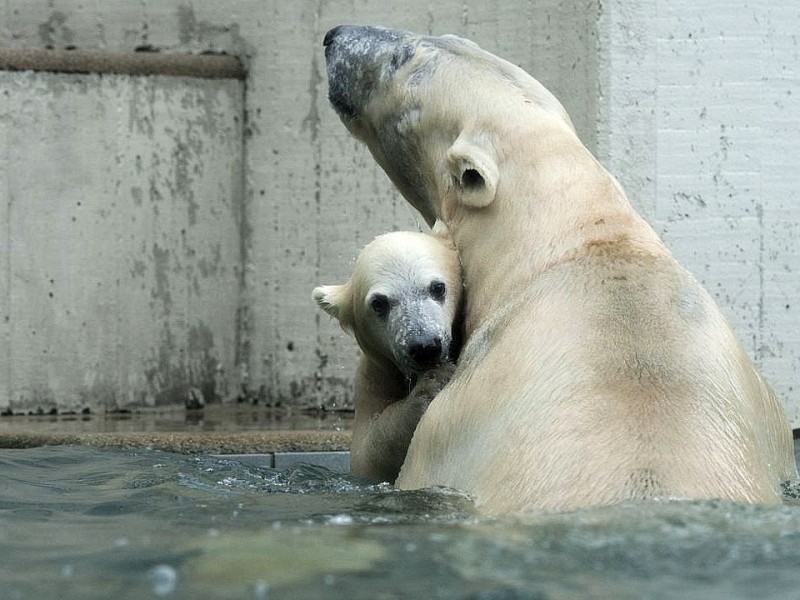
x=242, y=349
x=314, y=127
x=760, y=206
x=656, y=109
x=7, y=386
x=592, y=66
x=120, y=383
x=759, y=351
x=8, y=383
x=602, y=84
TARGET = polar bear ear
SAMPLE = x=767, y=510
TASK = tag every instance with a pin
x=475, y=173
x=333, y=299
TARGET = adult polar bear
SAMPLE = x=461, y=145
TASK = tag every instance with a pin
x=596, y=369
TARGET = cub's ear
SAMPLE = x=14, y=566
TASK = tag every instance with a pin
x=333, y=299
x=474, y=171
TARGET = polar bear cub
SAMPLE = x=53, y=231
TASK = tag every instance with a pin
x=402, y=304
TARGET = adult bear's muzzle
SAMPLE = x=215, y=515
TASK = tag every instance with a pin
x=356, y=59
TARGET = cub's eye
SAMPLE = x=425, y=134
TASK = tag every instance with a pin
x=438, y=291
x=379, y=305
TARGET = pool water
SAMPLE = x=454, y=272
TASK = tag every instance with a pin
x=84, y=523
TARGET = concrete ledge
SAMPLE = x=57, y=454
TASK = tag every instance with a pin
x=206, y=66
x=335, y=461
x=247, y=442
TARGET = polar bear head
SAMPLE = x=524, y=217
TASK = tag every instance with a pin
x=442, y=117
x=402, y=300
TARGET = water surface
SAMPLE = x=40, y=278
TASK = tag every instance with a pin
x=86, y=523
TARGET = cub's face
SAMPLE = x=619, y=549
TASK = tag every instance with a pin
x=440, y=115
x=401, y=301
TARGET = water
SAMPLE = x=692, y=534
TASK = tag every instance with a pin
x=85, y=523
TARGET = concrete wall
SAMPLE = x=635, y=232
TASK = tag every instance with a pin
x=690, y=105
x=121, y=202
x=699, y=121
x=309, y=196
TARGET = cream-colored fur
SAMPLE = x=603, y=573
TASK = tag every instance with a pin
x=595, y=368
x=391, y=391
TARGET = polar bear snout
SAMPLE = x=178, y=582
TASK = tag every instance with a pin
x=364, y=40
x=421, y=337
x=421, y=354
x=426, y=353
x=359, y=58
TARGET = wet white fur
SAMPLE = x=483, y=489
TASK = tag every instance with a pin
x=596, y=369
x=389, y=395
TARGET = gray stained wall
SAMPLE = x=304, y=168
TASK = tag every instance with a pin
x=162, y=234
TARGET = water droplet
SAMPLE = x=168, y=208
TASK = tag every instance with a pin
x=260, y=590
x=164, y=579
x=340, y=520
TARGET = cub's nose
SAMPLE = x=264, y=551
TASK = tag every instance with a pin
x=426, y=353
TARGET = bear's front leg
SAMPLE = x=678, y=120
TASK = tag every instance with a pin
x=380, y=444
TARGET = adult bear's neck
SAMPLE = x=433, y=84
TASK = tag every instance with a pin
x=560, y=202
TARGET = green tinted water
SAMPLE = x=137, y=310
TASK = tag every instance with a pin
x=86, y=523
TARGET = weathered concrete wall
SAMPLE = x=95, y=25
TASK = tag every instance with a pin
x=699, y=120
x=691, y=105
x=312, y=195
x=121, y=200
